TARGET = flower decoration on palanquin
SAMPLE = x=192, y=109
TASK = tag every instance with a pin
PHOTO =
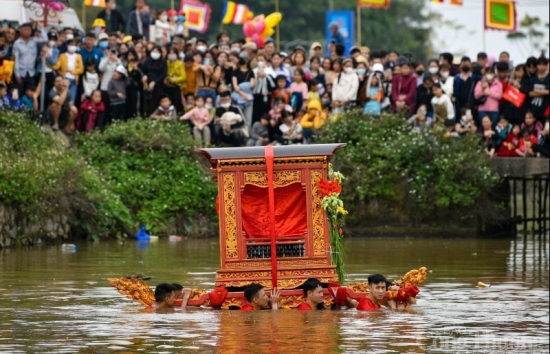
x=330, y=190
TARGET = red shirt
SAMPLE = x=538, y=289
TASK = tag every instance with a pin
x=304, y=306
x=247, y=307
x=366, y=304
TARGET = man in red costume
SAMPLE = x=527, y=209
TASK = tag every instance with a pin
x=258, y=299
x=313, y=291
x=375, y=298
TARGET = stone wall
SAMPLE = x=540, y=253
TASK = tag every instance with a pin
x=14, y=231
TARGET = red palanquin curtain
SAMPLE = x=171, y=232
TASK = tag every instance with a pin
x=290, y=211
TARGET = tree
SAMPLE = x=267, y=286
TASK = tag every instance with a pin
x=531, y=34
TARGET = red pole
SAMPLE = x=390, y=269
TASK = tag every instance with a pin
x=269, y=157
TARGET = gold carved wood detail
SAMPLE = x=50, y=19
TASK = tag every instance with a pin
x=318, y=215
x=316, y=160
x=280, y=178
x=280, y=263
x=281, y=283
x=230, y=208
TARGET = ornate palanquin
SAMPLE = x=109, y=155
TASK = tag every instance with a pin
x=281, y=212
x=301, y=228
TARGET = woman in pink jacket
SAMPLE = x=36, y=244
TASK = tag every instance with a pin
x=488, y=90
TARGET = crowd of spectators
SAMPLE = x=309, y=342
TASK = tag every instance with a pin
x=230, y=92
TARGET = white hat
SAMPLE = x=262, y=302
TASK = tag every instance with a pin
x=121, y=69
x=378, y=67
x=102, y=36
x=250, y=46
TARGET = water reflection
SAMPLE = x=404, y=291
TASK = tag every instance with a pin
x=57, y=302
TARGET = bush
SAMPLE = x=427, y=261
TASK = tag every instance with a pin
x=153, y=167
x=418, y=177
x=40, y=177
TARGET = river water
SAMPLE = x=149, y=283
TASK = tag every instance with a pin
x=54, y=301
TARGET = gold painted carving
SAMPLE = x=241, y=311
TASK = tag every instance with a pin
x=280, y=178
x=309, y=160
x=230, y=208
x=318, y=216
x=280, y=263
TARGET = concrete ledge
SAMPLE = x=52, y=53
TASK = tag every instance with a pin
x=520, y=166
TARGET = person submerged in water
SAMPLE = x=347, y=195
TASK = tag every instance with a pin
x=165, y=296
x=182, y=295
x=313, y=291
x=376, y=297
x=258, y=300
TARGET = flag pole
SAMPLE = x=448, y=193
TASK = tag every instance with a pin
x=358, y=25
x=84, y=16
x=277, y=32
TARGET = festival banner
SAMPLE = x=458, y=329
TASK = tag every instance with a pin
x=235, y=14
x=95, y=3
x=344, y=21
x=377, y=4
x=500, y=15
x=197, y=15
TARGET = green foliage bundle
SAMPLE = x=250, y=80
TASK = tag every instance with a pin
x=41, y=177
x=421, y=177
x=152, y=167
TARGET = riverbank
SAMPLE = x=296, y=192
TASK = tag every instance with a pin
x=107, y=184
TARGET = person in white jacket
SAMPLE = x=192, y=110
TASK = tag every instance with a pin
x=443, y=107
x=344, y=87
x=162, y=31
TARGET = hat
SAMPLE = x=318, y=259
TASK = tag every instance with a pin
x=347, y=60
x=354, y=50
x=378, y=68
x=299, y=48
x=99, y=22
x=121, y=69
x=127, y=39
x=361, y=59
x=102, y=37
x=365, y=49
x=284, y=54
x=250, y=46
x=52, y=35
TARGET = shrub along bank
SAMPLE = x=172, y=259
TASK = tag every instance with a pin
x=108, y=184
x=398, y=176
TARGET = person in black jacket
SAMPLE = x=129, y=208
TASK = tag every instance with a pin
x=113, y=18
x=424, y=95
x=154, y=72
x=464, y=86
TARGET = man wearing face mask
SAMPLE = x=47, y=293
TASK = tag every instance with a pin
x=465, y=83
x=229, y=134
x=90, y=50
x=25, y=51
x=103, y=43
x=51, y=53
x=139, y=20
x=67, y=35
x=488, y=92
x=114, y=21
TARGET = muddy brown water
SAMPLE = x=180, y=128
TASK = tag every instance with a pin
x=57, y=301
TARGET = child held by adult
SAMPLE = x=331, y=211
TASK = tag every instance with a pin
x=200, y=116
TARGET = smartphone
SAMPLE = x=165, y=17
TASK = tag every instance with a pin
x=207, y=61
x=5, y=24
x=15, y=94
